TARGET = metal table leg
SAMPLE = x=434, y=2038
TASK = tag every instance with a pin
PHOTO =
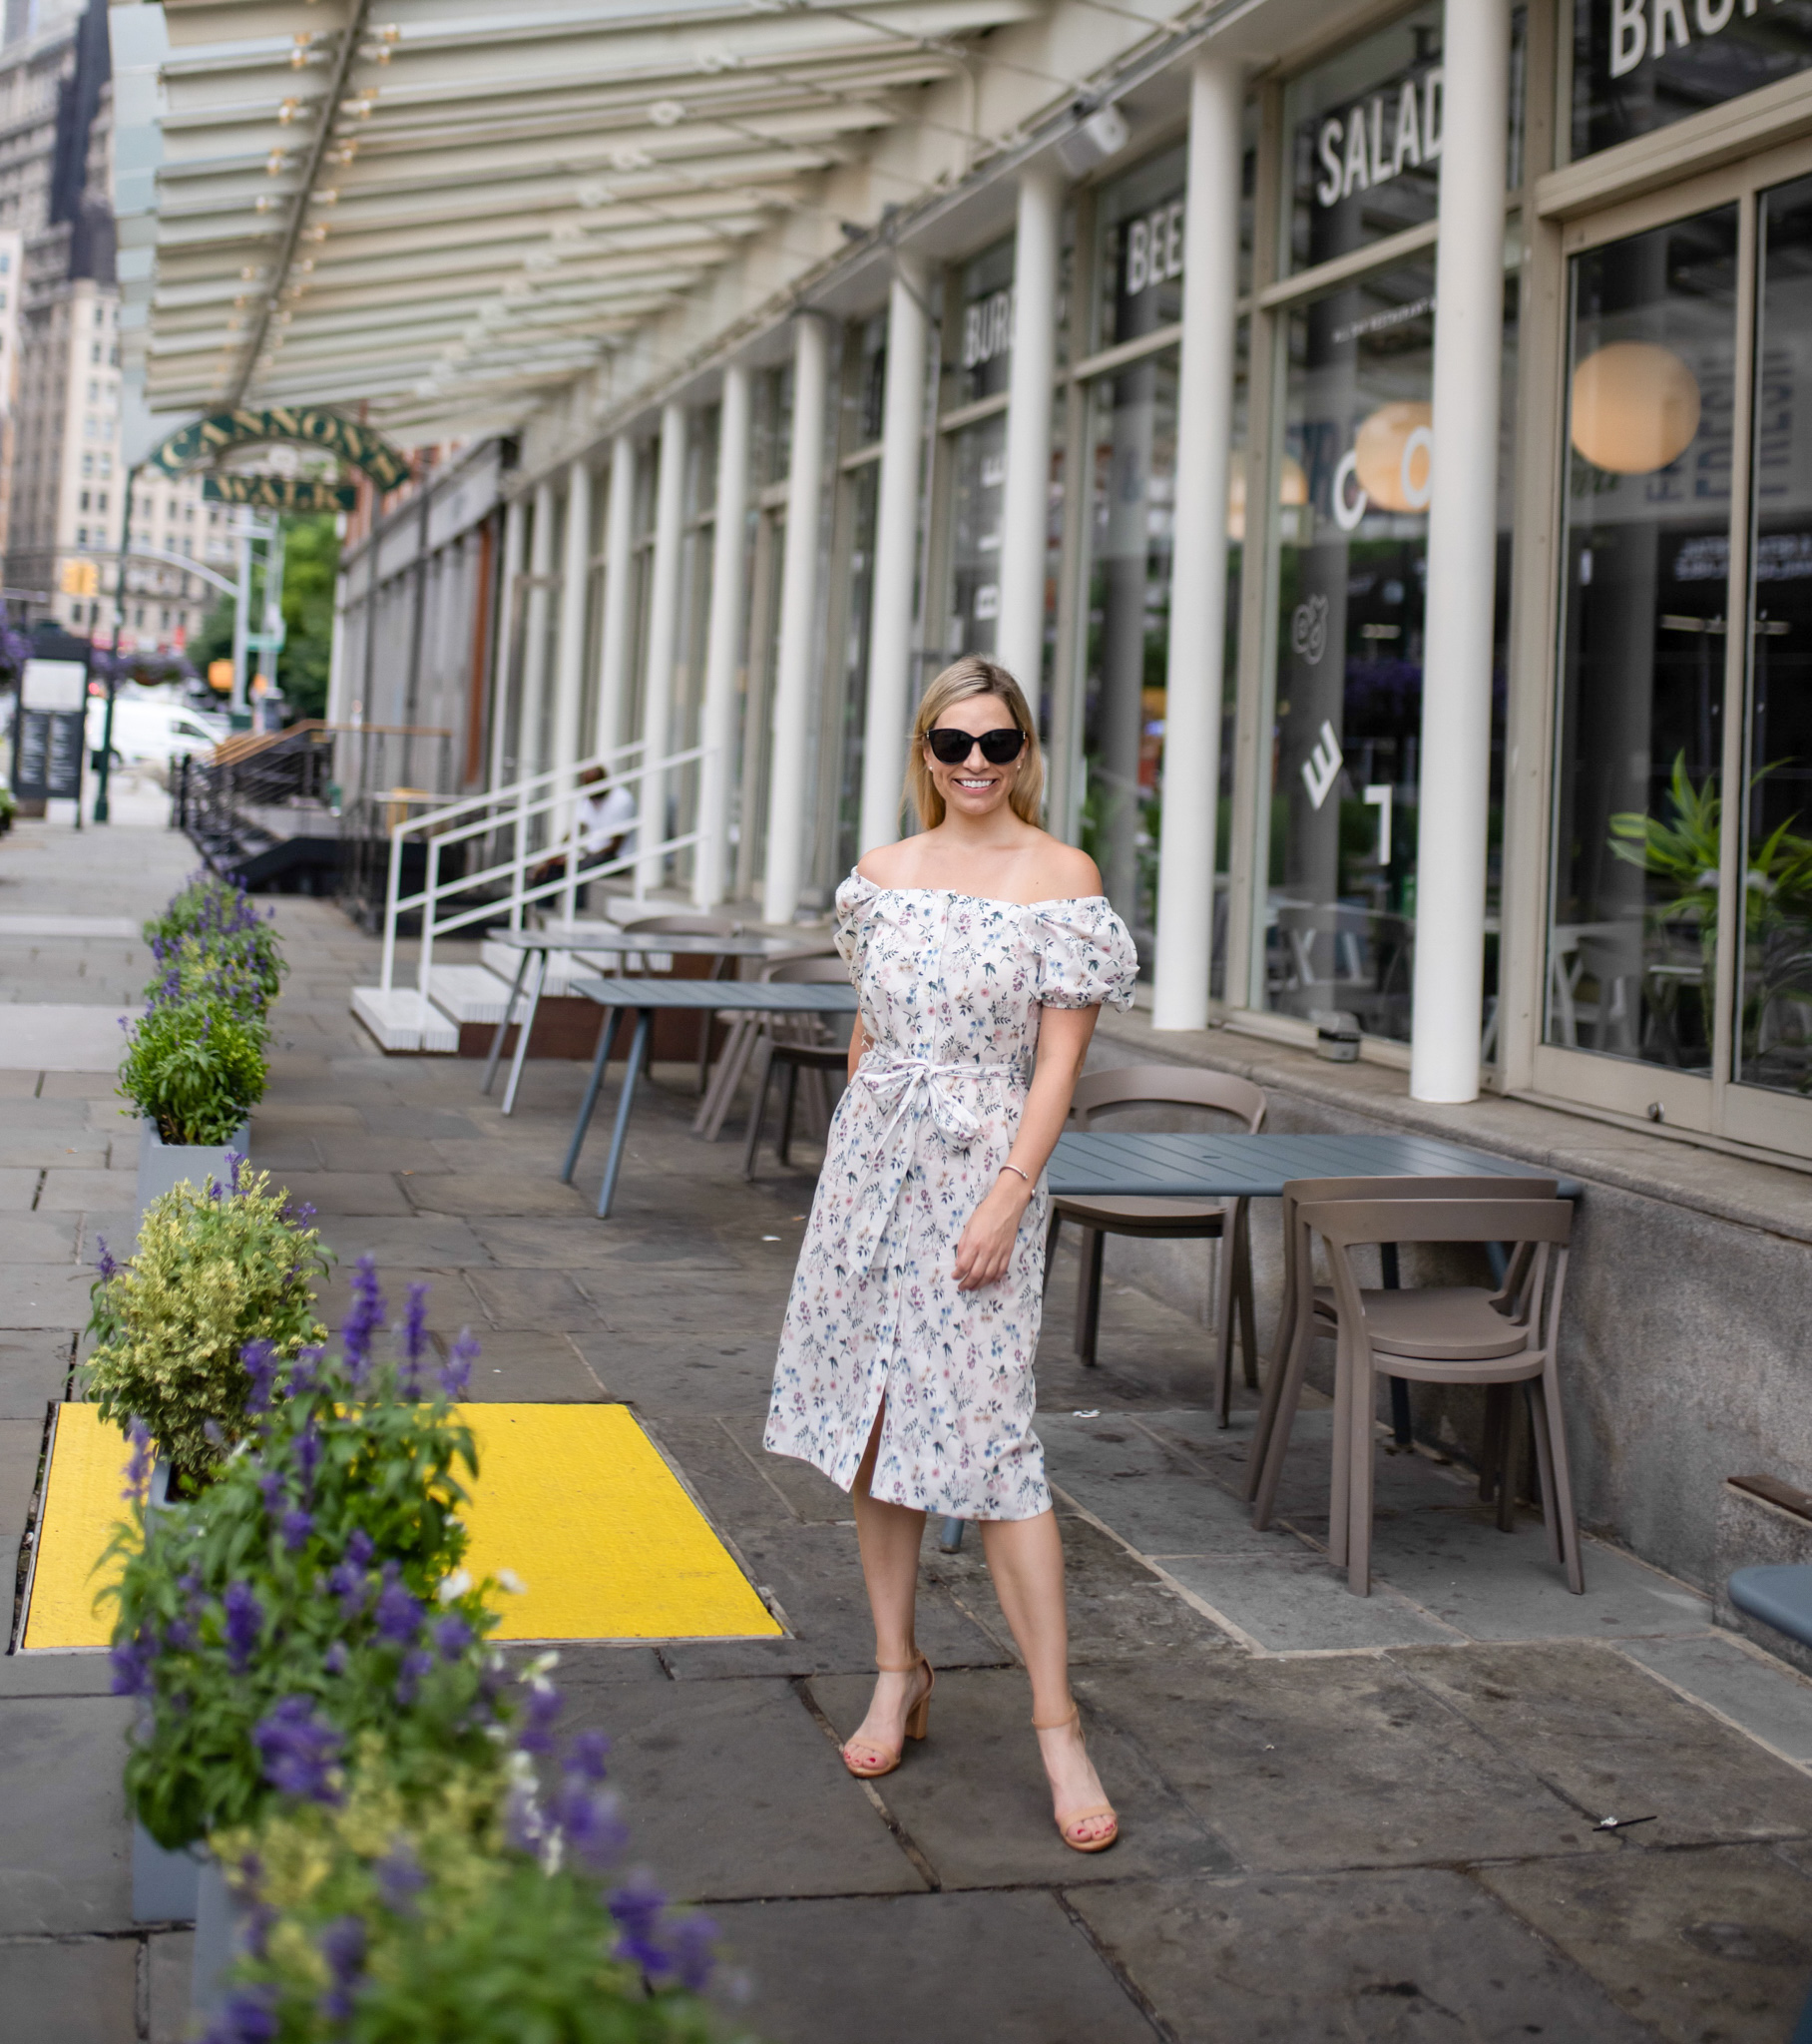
x=526, y=1030
x=503, y=1028
x=645, y=1028
x=607, y=1038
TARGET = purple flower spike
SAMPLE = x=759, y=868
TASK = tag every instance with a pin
x=247, y=2017
x=637, y=1906
x=234, y=1164
x=359, y=1549
x=105, y=1262
x=413, y=1334
x=270, y=1489
x=694, y=1952
x=138, y=1467
x=584, y=1759
x=334, y=1660
x=400, y=1615
x=244, y=1620
x=342, y=1945
x=364, y=1322
x=297, y=1526
x=416, y=1664
x=452, y=1636
x=259, y=1359
x=297, y=1750
x=588, y=1821
x=539, y=1719
x=400, y=1878
x=131, y=1662
x=456, y=1373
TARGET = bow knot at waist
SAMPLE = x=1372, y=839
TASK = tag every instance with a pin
x=911, y=1079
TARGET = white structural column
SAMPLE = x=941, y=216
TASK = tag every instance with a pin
x=663, y=639
x=619, y=610
x=725, y=642
x=798, y=625
x=509, y=596
x=1462, y=557
x=1018, y=639
x=1198, y=579
x=889, y=712
x=569, y=656
x=535, y=635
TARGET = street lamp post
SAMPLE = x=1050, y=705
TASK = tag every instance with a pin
x=103, y=813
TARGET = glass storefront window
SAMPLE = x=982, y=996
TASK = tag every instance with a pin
x=978, y=458
x=1645, y=610
x=1139, y=236
x=1639, y=65
x=1774, y=1036
x=982, y=339
x=1365, y=133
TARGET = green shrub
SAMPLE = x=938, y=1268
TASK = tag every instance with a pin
x=214, y=1271
x=196, y=1068
x=315, y=1581
x=475, y=1919
x=216, y=918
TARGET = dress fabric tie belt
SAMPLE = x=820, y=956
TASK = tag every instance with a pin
x=914, y=1085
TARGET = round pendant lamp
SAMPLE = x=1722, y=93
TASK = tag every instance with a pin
x=1635, y=408
x=1292, y=489
x=1394, y=456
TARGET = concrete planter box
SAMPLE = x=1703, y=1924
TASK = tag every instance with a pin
x=164, y=1165
x=220, y=1925
x=164, y=1883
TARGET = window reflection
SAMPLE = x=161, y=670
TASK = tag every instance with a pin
x=1646, y=609
x=1774, y=1037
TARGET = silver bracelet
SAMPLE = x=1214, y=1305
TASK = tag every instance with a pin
x=1013, y=1166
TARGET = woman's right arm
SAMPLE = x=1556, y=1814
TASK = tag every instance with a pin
x=858, y=1043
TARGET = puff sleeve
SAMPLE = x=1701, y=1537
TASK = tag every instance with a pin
x=1086, y=957
x=855, y=903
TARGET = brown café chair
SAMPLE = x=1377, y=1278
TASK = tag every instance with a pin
x=1128, y=1086
x=1308, y=1311
x=1448, y=1343
x=795, y=1043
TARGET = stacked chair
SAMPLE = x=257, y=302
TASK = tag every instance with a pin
x=1496, y=1338
x=794, y=1044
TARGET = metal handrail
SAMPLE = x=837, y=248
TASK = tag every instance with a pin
x=514, y=808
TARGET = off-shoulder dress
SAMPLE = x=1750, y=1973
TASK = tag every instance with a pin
x=950, y=987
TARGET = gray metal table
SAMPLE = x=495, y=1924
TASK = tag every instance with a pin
x=646, y=996
x=1215, y=1167
x=604, y=940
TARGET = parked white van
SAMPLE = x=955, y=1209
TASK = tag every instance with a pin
x=154, y=729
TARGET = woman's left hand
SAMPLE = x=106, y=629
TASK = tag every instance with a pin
x=985, y=1249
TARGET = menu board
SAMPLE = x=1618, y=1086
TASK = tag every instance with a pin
x=46, y=760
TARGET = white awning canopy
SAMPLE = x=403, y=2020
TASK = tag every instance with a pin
x=446, y=207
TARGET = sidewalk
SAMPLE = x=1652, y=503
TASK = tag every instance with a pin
x=1341, y=1819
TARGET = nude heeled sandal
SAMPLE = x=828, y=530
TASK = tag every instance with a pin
x=1068, y=1820
x=918, y=1723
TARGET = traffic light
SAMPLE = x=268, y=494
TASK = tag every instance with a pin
x=81, y=577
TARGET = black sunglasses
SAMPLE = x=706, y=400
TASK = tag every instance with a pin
x=950, y=747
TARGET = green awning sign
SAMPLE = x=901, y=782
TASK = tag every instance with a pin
x=299, y=425
x=278, y=492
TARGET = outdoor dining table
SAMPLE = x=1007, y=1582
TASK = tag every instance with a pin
x=646, y=997
x=603, y=940
x=1133, y=1164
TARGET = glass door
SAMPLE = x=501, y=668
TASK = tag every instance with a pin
x=1678, y=978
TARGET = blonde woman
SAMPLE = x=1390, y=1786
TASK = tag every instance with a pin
x=982, y=949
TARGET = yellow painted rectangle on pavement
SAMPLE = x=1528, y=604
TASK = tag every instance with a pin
x=577, y=1501
x=83, y=1504
x=573, y=1500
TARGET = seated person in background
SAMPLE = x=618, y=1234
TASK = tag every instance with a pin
x=603, y=826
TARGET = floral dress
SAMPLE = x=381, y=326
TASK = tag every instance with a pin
x=951, y=986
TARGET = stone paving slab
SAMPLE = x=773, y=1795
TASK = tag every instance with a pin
x=1770, y=1700
x=64, y=1862
x=39, y=1239
x=530, y=1370
x=972, y=1795
x=1698, y=1946
x=753, y=1797
x=59, y=1036
x=79, y=1180
x=170, y=1970
x=1415, y=1955
x=44, y=1295
x=1306, y=1766
x=74, y=1991
x=1008, y=1968
x=1616, y=1743
x=1289, y=1601
x=55, y=1675
x=34, y=1373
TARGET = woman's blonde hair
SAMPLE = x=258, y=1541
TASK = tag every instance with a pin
x=974, y=676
